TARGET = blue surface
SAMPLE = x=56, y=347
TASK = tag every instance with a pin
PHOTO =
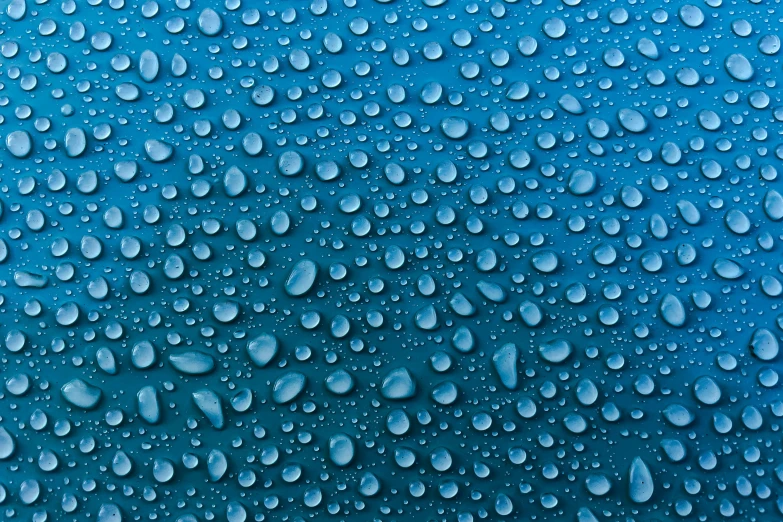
x=493, y=260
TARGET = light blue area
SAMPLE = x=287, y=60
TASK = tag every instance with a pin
x=389, y=261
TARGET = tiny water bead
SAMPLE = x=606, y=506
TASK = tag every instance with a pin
x=389, y=260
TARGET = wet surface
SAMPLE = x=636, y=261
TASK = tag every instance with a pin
x=368, y=260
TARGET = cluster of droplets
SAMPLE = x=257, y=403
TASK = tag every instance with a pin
x=383, y=260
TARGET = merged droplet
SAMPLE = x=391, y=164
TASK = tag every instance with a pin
x=81, y=394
